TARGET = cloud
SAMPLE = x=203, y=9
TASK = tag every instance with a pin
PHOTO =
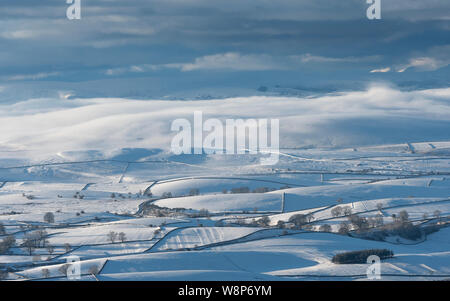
x=36, y=76
x=435, y=58
x=234, y=61
x=308, y=58
x=381, y=70
x=422, y=63
x=376, y=115
x=133, y=69
x=126, y=39
x=231, y=61
x=18, y=34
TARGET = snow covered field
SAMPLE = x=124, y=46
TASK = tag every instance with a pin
x=217, y=234
x=131, y=210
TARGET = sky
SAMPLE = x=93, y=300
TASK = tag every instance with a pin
x=173, y=49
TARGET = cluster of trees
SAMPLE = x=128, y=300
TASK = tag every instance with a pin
x=3, y=272
x=300, y=220
x=78, y=195
x=2, y=229
x=361, y=256
x=356, y=222
x=166, y=195
x=264, y=221
x=402, y=227
x=369, y=227
x=201, y=213
x=341, y=211
x=80, y=213
x=325, y=228
x=7, y=243
x=33, y=240
x=375, y=228
x=194, y=191
x=155, y=210
x=113, y=236
x=297, y=220
x=122, y=196
x=436, y=214
x=244, y=189
x=261, y=190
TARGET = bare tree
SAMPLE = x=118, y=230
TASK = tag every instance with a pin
x=437, y=214
x=64, y=268
x=112, y=236
x=31, y=241
x=344, y=228
x=7, y=243
x=45, y=273
x=49, y=217
x=166, y=195
x=3, y=273
x=403, y=216
x=122, y=237
x=336, y=211
x=67, y=247
x=325, y=228
x=50, y=249
x=347, y=211
x=93, y=270
x=2, y=229
x=379, y=219
x=41, y=237
x=204, y=212
x=29, y=245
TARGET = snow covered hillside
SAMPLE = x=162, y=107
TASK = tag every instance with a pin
x=94, y=179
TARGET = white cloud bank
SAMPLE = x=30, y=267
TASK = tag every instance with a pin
x=377, y=115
